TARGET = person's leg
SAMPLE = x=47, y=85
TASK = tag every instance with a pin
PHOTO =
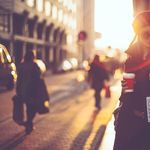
x=97, y=98
x=30, y=116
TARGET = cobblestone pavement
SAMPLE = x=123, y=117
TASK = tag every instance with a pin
x=72, y=124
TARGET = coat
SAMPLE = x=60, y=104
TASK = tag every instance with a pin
x=31, y=88
x=97, y=74
x=133, y=129
x=28, y=75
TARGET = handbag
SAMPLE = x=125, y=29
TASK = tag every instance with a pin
x=18, y=110
x=42, y=97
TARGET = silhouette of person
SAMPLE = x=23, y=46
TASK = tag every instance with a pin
x=132, y=126
x=28, y=74
x=97, y=75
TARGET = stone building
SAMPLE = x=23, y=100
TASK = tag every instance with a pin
x=47, y=26
x=85, y=22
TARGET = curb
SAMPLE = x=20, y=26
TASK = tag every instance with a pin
x=98, y=138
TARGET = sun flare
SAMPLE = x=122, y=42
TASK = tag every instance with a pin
x=113, y=19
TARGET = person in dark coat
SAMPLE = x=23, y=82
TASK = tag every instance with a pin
x=132, y=126
x=28, y=75
x=97, y=75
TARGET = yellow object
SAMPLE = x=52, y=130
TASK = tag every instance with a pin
x=46, y=103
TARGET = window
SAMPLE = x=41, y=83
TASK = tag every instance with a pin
x=54, y=12
x=47, y=8
x=74, y=25
x=1, y=23
x=74, y=7
x=30, y=3
x=39, y=5
x=60, y=15
x=4, y=26
x=65, y=19
x=65, y=2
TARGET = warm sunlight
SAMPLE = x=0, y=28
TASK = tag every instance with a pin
x=113, y=19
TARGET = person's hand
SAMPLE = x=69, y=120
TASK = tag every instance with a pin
x=124, y=85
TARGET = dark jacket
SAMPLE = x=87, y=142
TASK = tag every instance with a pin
x=28, y=75
x=97, y=75
x=131, y=126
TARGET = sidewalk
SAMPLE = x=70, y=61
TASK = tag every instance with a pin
x=63, y=85
x=109, y=136
x=107, y=142
x=73, y=123
x=103, y=118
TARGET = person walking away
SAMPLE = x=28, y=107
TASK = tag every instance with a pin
x=97, y=75
x=28, y=75
x=132, y=122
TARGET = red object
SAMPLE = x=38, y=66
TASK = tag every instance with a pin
x=107, y=91
x=82, y=36
x=129, y=79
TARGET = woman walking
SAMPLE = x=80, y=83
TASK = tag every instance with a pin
x=28, y=75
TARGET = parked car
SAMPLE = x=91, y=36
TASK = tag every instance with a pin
x=68, y=65
x=8, y=74
x=73, y=62
x=64, y=66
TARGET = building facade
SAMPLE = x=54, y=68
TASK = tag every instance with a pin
x=47, y=26
x=85, y=22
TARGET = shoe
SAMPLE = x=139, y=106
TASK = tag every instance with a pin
x=29, y=128
x=98, y=108
x=21, y=123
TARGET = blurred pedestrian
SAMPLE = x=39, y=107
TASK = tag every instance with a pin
x=97, y=75
x=28, y=75
x=132, y=119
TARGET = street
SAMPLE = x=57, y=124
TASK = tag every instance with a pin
x=72, y=124
x=83, y=64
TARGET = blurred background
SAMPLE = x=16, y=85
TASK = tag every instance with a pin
x=65, y=35
x=59, y=30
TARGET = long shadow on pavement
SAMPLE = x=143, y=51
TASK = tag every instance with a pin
x=81, y=139
x=98, y=138
x=13, y=141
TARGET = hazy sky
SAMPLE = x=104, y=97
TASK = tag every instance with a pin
x=113, y=18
